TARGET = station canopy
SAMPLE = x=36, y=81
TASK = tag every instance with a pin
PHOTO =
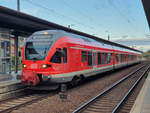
x=23, y=25
x=146, y=5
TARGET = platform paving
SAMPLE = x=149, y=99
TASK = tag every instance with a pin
x=8, y=82
x=8, y=77
x=10, y=86
x=142, y=103
x=5, y=77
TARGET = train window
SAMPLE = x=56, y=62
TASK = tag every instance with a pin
x=99, y=58
x=64, y=55
x=103, y=58
x=109, y=58
x=117, y=58
x=84, y=56
x=125, y=57
x=106, y=58
x=121, y=57
x=89, y=58
x=57, y=56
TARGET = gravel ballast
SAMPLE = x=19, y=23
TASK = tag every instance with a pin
x=76, y=96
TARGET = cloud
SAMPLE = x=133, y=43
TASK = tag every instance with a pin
x=139, y=43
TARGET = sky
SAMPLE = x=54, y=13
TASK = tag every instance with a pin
x=120, y=19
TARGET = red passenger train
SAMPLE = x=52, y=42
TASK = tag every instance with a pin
x=56, y=56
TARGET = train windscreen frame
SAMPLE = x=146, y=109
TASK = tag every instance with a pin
x=38, y=47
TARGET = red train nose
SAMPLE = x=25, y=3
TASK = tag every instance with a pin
x=30, y=78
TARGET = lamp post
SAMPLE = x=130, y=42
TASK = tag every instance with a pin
x=108, y=36
x=18, y=5
x=16, y=42
x=69, y=26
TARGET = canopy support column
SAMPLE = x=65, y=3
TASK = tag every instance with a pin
x=16, y=53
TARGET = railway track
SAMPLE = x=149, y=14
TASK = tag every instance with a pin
x=11, y=104
x=112, y=98
x=8, y=105
x=11, y=89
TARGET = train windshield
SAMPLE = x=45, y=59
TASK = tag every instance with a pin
x=37, y=50
x=37, y=47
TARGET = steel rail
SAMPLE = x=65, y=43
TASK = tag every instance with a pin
x=22, y=90
x=131, y=89
x=25, y=103
x=105, y=91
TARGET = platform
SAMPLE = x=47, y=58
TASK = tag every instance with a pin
x=10, y=86
x=9, y=82
x=142, y=103
x=11, y=76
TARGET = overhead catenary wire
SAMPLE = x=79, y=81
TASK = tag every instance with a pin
x=60, y=15
x=90, y=19
x=128, y=20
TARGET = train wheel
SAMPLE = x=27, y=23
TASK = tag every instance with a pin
x=82, y=78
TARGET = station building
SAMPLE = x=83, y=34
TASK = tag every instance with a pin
x=5, y=51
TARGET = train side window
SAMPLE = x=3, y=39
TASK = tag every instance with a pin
x=103, y=58
x=64, y=55
x=84, y=56
x=124, y=58
x=117, y=58
x=56, y=58
x=106, y=58
x=89, y=58
x=99, y=58
x=109, y=58
x=120, y=57
x=128, y=57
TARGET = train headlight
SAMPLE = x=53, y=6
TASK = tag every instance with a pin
x=45, y=65
x=45, y=33
x=24, y=65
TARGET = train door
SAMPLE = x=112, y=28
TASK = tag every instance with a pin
x=65, y=59
x=113, y=59
x=94, y=59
